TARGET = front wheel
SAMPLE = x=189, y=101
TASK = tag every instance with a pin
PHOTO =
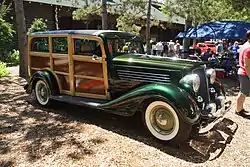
x=165, y=124
x=42, y=93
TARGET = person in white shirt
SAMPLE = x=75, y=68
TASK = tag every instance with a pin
x=177, y=48
x=171, y=48
x=159, y=48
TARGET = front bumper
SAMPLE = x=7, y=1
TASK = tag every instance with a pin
x=214, y=113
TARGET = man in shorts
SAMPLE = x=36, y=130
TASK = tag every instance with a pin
x=244, y=77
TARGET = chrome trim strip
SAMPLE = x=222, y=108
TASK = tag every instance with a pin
x=142, y=79
x=140, y=67
x=144, y=76
x=143, y=73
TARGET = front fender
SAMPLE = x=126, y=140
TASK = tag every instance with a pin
x=129, y=103
x=45, y=75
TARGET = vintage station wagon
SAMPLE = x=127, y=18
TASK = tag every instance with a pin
x=108, y=70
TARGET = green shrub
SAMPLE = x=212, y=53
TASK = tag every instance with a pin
x=38, y=25
x=12, y=57
x=6, y=38
x=3, y=70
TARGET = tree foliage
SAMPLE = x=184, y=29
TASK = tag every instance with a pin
x=4, y=9
x=38, y=25
x=129, y=13
x=6, y=33
x=200, y=11
x=3, y=70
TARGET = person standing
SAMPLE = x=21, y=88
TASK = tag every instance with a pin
x=220, y=47
x=165, y=49
x=235, y=49
x=244, y=77
x=177, y=48
x=159, y=48
x=171, y=48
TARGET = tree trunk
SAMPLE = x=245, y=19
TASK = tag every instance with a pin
x=186, y=41
x=56, y=17
x=22, y=38
x=104, y=15
x=148, y=28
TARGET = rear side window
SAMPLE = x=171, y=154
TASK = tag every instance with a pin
x=40, y=44
x=87, y=47
x=60, y=45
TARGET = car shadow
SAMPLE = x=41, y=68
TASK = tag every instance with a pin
x=44, y=136
x=199, y=149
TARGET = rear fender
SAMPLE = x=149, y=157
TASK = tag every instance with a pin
x=48, y=77
x=129, y=103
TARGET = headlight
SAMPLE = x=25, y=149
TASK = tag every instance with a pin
x=193, y=80
x=211, y=74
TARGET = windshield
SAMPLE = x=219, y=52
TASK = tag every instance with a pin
x=118, y=46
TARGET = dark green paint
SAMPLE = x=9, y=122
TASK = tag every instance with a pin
x=181, y=100
x=164, y=63
x=45, y=75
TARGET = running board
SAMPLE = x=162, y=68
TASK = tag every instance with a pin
x=81, y=101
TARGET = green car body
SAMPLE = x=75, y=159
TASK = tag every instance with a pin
x=136, y=79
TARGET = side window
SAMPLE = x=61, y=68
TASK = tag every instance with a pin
x=87, y=47
x=60, y=45
x=40, y=44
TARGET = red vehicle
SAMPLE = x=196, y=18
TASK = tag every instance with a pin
x=207, y=44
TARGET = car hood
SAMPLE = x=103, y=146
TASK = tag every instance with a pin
x=155, y=62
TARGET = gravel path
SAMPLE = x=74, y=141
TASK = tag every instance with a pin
x=67, y=135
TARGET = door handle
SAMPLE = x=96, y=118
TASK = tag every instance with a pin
x=94, y=57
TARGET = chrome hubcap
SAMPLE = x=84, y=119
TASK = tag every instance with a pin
x=43, y=92
x=162, y=120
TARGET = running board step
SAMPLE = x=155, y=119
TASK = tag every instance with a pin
x=81, y=101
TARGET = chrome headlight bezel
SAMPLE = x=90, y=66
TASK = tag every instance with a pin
x=211, y=74
x=193, y=80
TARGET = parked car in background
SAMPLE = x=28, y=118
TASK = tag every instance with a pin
x=207, y=44
x=91, y=68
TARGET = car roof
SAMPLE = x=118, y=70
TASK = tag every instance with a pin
x=110, y=33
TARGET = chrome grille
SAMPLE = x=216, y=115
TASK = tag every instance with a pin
x=143, y=76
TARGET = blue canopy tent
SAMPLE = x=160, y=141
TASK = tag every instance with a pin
x=217, y=30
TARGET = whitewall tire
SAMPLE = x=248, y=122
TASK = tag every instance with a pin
x=164, y=123
x=42, y=93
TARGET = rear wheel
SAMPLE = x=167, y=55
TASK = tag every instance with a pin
x=165, y=124
x=42, y=93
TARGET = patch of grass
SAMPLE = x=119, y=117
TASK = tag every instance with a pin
x=3, y=70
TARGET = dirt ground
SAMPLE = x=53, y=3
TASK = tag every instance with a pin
x=68, y=135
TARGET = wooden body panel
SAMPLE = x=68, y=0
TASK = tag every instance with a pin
x=40, y=62
x=78, y=75
x=61, y=65
x=88, y=69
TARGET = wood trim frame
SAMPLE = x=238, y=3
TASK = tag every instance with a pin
x=88, y=77
x=71, y=59
x=86, y=59
x=50, y=53
x=58, y=55
x=62, y=73
x=39, y=54
x=101, y=60
x=71, y=66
